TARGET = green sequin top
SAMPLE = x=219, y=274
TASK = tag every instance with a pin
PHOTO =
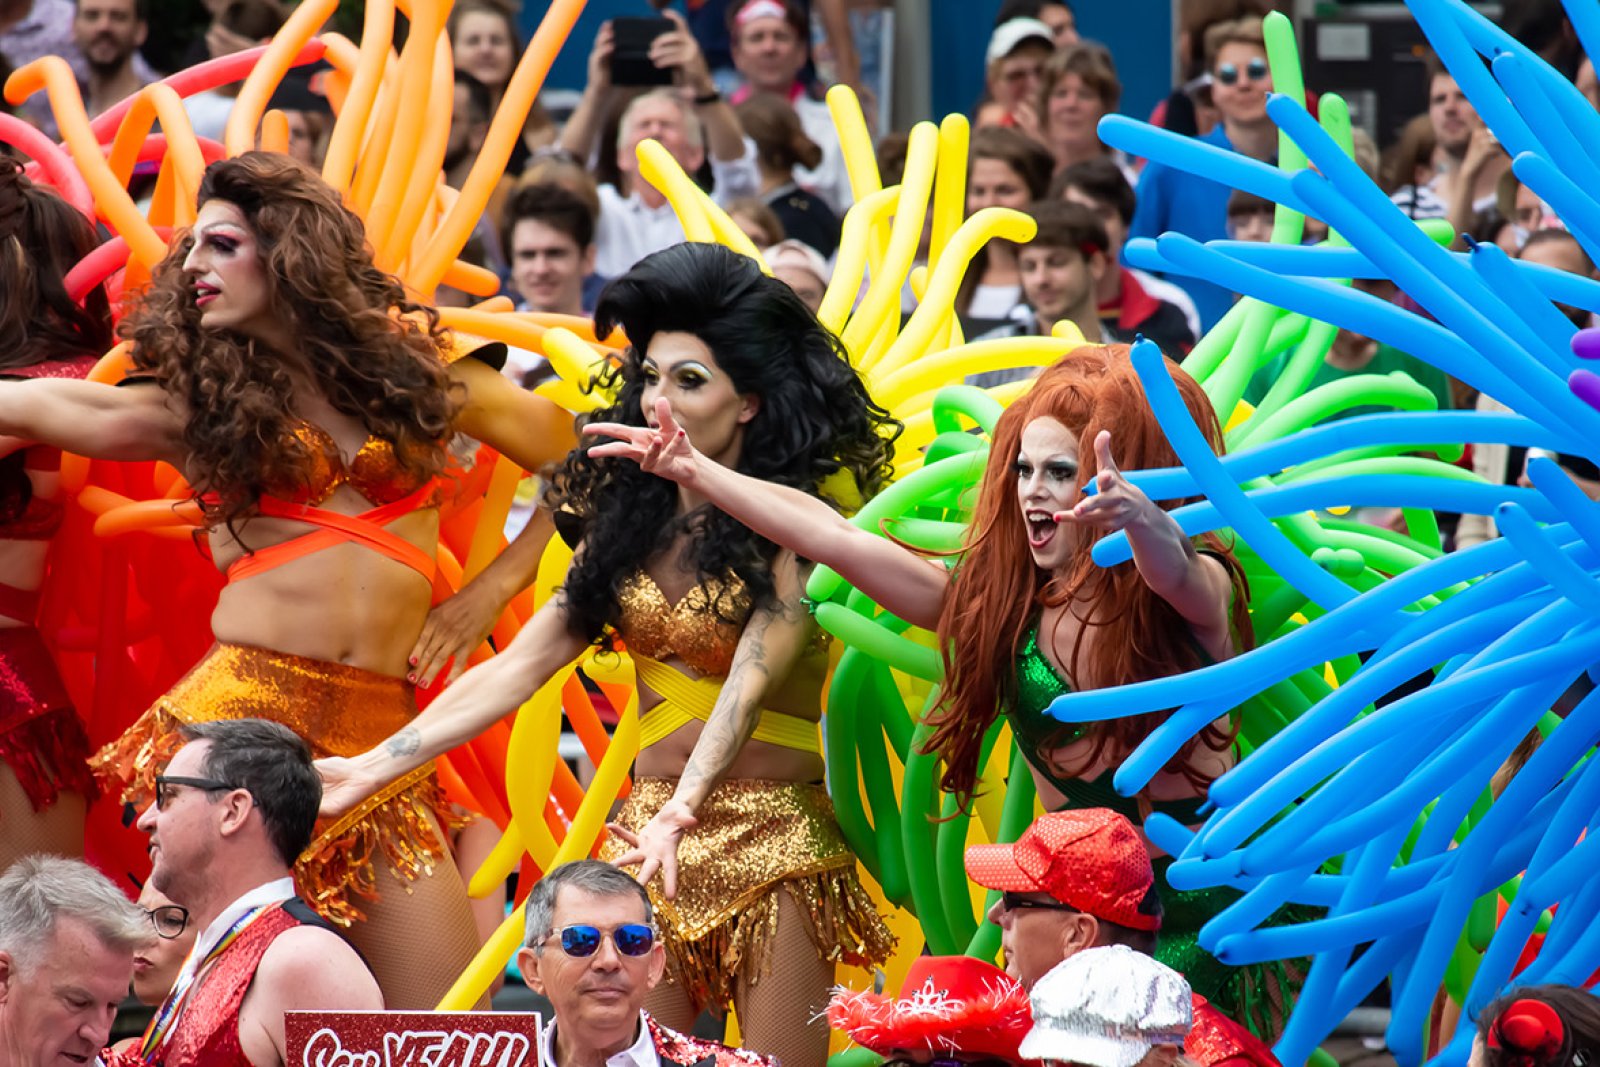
x=1038, y=685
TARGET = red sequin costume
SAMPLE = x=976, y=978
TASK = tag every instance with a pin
x=686, y=1051
x=1217, y=1041
x=42, y=740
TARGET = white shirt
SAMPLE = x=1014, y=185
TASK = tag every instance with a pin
x=271, y=893
x=642, y=1053
x=628, y=230
x=830, y=179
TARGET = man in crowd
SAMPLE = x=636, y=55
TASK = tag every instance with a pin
x=1172, y=199
x=1014, y=63
x=1130, y=301
x=232, y=812
x=1109, y=1007
x=109, y=33
x=688, y=120
x=592, y=950
x=770, y=41
x=67, y=939
x=549, y=239
x=1082, y=879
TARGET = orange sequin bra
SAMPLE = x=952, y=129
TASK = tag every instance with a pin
x=375, y=472
x=691, y=629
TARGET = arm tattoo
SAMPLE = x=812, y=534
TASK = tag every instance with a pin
x=738, y=707
x=403, y=744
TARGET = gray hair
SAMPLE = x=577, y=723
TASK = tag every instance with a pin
x=38, y=891
x=590, y=876
x=692, y=132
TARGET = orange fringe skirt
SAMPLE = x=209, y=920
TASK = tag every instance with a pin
x=340, y=711
x=754, y=839
x=42, y=740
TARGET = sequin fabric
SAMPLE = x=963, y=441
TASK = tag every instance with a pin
x=375, y=472
x=752, y=838
x=682, y=1049
x=42, y=740
x=1037, y=685
x=340, y=711
x=689, y=630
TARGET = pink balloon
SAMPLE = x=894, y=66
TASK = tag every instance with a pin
x=56, y=165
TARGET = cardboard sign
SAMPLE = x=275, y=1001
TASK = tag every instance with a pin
x=412, y=1039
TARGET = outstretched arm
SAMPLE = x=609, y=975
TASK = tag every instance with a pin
x=899, y=580
x=486, y=693
x=87, y=418
x=1197, y=586
x=772, y=642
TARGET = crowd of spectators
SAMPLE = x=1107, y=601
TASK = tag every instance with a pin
x=733, y=91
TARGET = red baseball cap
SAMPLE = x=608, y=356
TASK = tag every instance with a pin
x=947, y=1004
x=1090, y=858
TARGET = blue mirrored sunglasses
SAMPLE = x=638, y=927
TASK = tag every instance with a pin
x=581, y=940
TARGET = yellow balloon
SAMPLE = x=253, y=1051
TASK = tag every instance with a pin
x=879, y=313
x=939, y=369
x=366, y=75
x=657, y=167
x=851, y=265
x=239, y=136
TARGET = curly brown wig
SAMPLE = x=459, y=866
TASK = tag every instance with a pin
x=372, y=352
x=41, y=238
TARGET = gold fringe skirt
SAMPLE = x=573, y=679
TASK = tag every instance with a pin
x=340, y=711
x=754, y=839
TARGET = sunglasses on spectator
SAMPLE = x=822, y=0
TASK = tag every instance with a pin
x=170, y=920
x=581, y=940
x=165, y=782
x=1255, y=70
x=1010, y=901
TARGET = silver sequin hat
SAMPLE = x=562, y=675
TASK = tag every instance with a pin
x=1107, y=1007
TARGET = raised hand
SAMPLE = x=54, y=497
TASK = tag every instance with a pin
x=454, y=630
x=663, y=450
x=343, y=786
x=655, y=847
x=1117, y=503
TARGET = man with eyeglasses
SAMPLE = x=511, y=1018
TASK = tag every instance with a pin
x=233, y=811
x=592, y=950
x=1172, y=200
x=1081, y=879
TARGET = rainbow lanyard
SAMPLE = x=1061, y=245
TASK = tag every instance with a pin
x=160, y=1028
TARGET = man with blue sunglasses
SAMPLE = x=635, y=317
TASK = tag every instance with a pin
x=592, y=950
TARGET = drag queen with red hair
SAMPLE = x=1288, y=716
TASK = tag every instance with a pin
x=1036, y=617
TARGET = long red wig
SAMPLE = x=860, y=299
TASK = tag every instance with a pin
x=1138, y=635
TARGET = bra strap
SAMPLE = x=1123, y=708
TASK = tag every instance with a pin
x=334, y=528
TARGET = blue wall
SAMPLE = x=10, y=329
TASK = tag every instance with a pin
x=1138, y=32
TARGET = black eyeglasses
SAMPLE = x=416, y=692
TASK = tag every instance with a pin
x=1010, y=901
x=165, y=782
x=581, y=940
x=1255, y=70
x=170, y=920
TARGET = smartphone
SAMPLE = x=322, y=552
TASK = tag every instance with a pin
x=630, y=53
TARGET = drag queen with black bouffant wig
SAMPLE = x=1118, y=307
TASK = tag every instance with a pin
x=728, y=823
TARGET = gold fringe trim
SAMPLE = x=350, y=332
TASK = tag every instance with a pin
x=840, y=918
x=127, y=767
x=338, y=866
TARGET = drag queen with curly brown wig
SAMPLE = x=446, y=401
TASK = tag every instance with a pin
x=44, y=333
x=757, y=894
x=304, y=396
x=1035, y=616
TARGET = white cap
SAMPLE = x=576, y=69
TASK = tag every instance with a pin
x=1107, y=1007
x=795, y=253
x=1013, y=32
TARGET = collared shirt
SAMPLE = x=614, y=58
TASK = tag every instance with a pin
x=271, y=893
x=642, y=1053
x=628, y=229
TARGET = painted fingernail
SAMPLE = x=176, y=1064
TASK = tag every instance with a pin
x=412, y=678
x=412, y=661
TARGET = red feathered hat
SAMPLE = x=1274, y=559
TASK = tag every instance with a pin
x=947, y=1004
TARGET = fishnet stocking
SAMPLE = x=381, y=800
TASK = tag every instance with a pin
x=782, y=1014
x=57, y=830
x=418, y=936
x=472, y=845
x=669, y=1004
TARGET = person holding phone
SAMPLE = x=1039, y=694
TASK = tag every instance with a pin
x=685, y=113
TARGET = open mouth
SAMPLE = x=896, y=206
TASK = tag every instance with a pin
x=1041, y=528
x=204, y=294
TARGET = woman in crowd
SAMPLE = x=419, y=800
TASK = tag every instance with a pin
x=1004, y=169
x=781, y=146
x=757, y=892
x=304, y=396
x=1026, y=615
x=44, y=333
x=483, y=39
x=1078, y=88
